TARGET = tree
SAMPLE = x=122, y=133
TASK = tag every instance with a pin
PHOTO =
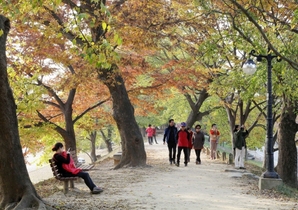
x=17, y=191
x=276, y=23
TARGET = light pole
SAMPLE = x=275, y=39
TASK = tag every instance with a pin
x=250, y=67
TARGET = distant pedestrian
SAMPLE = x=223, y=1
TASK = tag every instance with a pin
x=240, y=133
x=198, y=142
x=154, y=134
x=189, y=141
x=170, y=137
x=182, y=137
x=149, y=132
x=214, y=138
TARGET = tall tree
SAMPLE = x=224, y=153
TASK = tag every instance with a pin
x=17, y=191
x=276, y=23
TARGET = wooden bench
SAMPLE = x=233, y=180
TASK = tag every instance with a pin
x=58, y=176
x=80, y=165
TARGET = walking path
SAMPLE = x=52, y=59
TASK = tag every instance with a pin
x=163, y=186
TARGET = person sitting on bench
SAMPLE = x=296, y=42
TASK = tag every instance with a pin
x=66, y=167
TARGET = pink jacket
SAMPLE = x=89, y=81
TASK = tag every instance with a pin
x=149, y=131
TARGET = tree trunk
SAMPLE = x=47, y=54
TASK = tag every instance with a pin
x=109, y=140
x=195, y=114
x=93, y=147
x=133, y=151
x=287, y=156
x=17, y=191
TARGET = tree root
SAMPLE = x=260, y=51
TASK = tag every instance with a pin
x=28, y=202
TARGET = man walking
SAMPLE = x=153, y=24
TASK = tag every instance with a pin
x=170, y=137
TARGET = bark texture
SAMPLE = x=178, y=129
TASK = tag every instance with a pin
x=287, y=157
x=133, y=151
x=17, y=191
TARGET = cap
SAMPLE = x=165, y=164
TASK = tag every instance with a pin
x=183, y=124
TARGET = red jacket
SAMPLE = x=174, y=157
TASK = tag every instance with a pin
x=149, y=131
x=65, y=163
x=182, y=137
x=214, y=135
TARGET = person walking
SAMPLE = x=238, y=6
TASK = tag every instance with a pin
x=149, y=132
x=170, y=137
x=190, y=145
x=66, y=167
x=182, y=138
x=240, y=133
x=198, y=142
x=154, y=134
x=214, y=137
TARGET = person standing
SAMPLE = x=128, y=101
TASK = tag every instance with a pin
x=214, y=137
x=170, y=137
x=154, y=134
x=198, y=142
x=240, y=133
x=149, y=132
x=182, y=138
x=189, y=142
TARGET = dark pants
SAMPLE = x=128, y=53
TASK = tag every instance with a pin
x=154, y=137
x=172, y=151
x=185, y=151
x=150, y=139
x=198, y=154
x=189, y=151
x=88, y=181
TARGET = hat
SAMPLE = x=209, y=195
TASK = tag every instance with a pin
x=183, y=124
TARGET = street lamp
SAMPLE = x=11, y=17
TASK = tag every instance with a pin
x=250, y=67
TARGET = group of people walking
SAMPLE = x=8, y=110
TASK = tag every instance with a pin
x=186, y=139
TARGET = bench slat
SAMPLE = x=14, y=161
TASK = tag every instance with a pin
x=58, y=176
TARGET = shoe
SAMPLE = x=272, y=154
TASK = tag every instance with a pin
x=242, y=168
x=171, y=162
x=177, y=164
x=97, y=190
x=185, y=164
x=197, y=162
x=156, y=142
x=174, y=161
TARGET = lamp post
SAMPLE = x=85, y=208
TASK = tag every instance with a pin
x=250, y=67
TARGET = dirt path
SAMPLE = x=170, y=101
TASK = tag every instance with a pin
x=164, y=186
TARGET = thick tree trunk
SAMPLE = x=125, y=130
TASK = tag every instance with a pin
x=17, y=191
x=287, y=156
x=133, y=151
